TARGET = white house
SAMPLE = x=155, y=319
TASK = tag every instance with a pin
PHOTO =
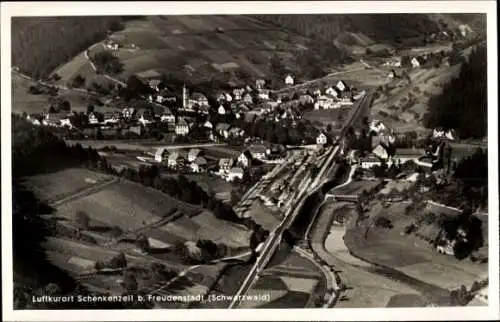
x=380, y=152
x=208, y=125
x=223, y=129
x=199, y=164
x=154, y=84
x=289, y=80
x=263, y=95
x=111, y=118
x=145, y=117
x=128, y=112
x=369, y=162
x=321, y=139
x=324, y=102
x=66, y=122
x=160, y=155
x=235, y=173
x=172, y=159
x=331, y=92
x=193, y=154
x=181, y=128
x=225, y=165
x=415, y=63
x=92, y=118
x=221, y=110
x=377, y=126
x=341, y=86
x=245, y=159
x=167, y=117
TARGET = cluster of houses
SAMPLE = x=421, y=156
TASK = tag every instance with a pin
x=383, y=151
x=334, y=96
x=195, y=160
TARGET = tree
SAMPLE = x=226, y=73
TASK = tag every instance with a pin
x=90, y=108
x=78, y=81
x=129, y=282
x=107, y=62
x=119, y=261
x=142, y=243
x=82, y=219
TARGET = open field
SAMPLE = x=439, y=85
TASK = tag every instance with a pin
x=333, y=117
x=356, y=187
x=192, y=41
x=394, y=109
x=421, y=262
x=22, y=101
x=54, y=186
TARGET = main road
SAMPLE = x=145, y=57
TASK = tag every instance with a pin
x=306, y=188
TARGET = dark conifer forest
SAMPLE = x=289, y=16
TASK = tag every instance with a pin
x=40, y=45
x=463, y=103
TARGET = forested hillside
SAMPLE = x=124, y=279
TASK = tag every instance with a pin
x=395, y=29
x=40, y=44
x=463, y=103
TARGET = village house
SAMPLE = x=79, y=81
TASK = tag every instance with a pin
x=145, y=116
x=167, y=117
x=174, y=159
x=208, y=125
x=199, y=165
x=260, y=83
x=341, y=86
x=306, y=99
x=263, y=94
x=153, y=84
x=222, y=129
x=93, y=118
x=258, y=151
x=235, y=173
x=221, y=110
x=111, y=44
x=377, y=126
x=245, y=159
x=193, y=154
x=289, y=80
x=238, y=93
x=236, y=132
x=324, y=102
x=182, y=127
x=198, y=98
x=405, y=155
x=369, y=162
x=321, y=139
x=135, y=129
x=330, y=91
x=161, y=154
x=247, y=98
x=34, y=119
x=380, y=152
x=415, y=62
x=128, y=112
x=225, y=165
x=316, y=92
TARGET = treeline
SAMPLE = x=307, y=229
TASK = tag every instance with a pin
x=463, y=103
x=395, y=29
x=41, y=44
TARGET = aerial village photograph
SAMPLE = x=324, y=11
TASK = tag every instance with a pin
x=249, y=161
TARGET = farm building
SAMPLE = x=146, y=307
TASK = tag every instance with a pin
x=223, y=129
x=199, y=164
x=235, y=173
x=341, y=86
x=221, y=110
x=257, y=151
x=245, y=159
x=208, y=125
x=289, y=80
x=330, y=91
x=225, y=165
x=369, y=162
x=193, y=154
x=161, y=154
x=321, y=139
x=181, y=128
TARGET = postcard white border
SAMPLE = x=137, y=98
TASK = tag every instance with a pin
x=10, y=9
